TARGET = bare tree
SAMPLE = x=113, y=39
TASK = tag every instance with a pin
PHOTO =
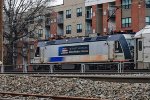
x=17, y=15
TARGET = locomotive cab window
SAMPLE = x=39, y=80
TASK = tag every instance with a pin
x=140, y=45
x=118, y=48
x=37, y=53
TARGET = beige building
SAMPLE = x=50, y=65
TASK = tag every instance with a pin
x=69, y=19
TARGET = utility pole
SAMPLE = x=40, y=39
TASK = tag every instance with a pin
x=1, y=36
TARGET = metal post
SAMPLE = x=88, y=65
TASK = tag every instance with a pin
x=1, y=36
x=118, y=67
x=82, y=68
x=24, y=63
x=2, y=68
x=51, y=68
x=122, y=66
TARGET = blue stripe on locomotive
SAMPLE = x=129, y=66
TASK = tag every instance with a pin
x=56, y=59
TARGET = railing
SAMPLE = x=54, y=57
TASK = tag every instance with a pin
x=60, y=33
x=47, y=22
x=60, y=20
x=89, y=16
x=87, y=32
x=111, y=11
x=39, y=20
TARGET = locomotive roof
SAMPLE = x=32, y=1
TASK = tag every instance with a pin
x=145, y=30
x=77, y=40
x=80, y=40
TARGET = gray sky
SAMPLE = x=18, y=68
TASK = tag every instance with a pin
x=56, y=2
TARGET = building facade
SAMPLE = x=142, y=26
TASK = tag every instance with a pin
x=90, y=18
x=133, y=15
x=68, y=19
x=99, y=17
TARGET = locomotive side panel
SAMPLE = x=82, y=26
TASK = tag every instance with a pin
x=146, y=48
x=142, y=48
x=77, y=52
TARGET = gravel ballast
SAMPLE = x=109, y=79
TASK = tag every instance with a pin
x=74, y=87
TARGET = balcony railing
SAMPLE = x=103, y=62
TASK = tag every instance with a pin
x=112, y=12
x=89, y=16
x=87, y=32
x=60, y=20
x=47, y=22
x=60, y=33
x=40, y=20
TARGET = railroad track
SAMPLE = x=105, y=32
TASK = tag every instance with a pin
x=45, y=96
x=111, y=77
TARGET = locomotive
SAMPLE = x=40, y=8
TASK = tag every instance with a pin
x=95, y=53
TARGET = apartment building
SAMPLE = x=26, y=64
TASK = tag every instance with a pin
x=110, y=16
x=133, y=15
x=68, y=19
x=100, y=17
x=83, y=18
x=95, y=17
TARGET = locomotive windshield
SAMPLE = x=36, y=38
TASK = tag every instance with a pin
x=37, y=53
x=130, y=43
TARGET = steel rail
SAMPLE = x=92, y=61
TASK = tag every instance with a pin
x=87, y=72
x=48, y=96
x=139, y=78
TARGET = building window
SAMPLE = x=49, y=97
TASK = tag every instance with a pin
x=68, y=29
x=79, y=28
x=79, y=12
x=147, y=20
x=40, y=33
x=126, y=4
x=68, y=13
x=147, y=2
x=126, y=22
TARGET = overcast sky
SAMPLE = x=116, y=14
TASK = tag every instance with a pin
x=56, y=2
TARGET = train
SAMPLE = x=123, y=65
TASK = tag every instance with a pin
x=95, y=53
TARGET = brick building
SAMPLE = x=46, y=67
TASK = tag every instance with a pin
x=100, y=17
x=94, y=17
x=132, y=15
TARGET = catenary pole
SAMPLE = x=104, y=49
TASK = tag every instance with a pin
x=1, y=35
